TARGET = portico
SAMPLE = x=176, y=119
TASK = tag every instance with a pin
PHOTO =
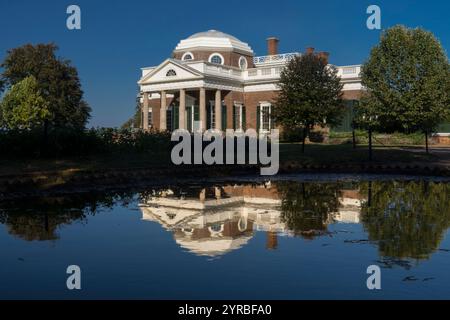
x=191, y=109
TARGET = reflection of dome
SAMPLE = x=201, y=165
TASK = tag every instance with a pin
x=212, y=247
x=213, y=39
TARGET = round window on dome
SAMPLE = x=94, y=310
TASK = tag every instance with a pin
x=216, y=58
x=242, y=63
x=187, y=56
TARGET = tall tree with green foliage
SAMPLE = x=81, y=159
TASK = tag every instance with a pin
x=310, y=95
x=57, y=79
x=23, y=106
x=407, y=77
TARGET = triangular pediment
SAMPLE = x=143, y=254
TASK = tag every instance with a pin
x=170, y=70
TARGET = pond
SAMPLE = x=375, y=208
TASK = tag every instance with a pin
x=289, y=238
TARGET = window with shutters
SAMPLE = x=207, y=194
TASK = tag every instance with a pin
x=266, y=121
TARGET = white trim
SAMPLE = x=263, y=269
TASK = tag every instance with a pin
x=263, y=104
x=216, y=54
x=242, y=58
x=241, y=118
x=185, y=54
x=214, y=42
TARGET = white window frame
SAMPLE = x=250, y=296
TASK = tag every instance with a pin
x=242, y=58
x=216, y=54
x=261, y=113
x=183, y=57
x=240, y=106
x=212, y=114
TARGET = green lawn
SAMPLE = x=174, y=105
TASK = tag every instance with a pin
x=314, y=154
x=344, y=153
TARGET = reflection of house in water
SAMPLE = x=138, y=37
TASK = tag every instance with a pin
x=214, y=221
x=350, y=209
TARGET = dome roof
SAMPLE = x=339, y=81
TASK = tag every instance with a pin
x=213, y=34
x=213, y=39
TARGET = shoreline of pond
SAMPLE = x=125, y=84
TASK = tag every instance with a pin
x=78, y=181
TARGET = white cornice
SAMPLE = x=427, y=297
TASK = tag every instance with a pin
x=213, y=43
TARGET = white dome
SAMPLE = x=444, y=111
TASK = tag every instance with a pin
x=213, y=34
x=213, y=39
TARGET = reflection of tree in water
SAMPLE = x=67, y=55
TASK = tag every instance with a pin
x=407, y=219
x=306, y=207
x=38, y=219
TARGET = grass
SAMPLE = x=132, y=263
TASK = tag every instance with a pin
x=394, y=139
x=344, y=153
x=314, y=154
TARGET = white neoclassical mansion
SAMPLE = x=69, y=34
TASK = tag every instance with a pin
x=214, y=80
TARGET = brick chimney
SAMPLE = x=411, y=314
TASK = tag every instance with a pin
x=324, y=55
x=309, y=50
x=272, y=46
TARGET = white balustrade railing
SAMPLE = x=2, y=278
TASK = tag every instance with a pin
x=285, y=57
x=349, y=71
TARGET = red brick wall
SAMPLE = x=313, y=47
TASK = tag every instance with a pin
x=251, y=102
x=231, y=57
x=352, y=95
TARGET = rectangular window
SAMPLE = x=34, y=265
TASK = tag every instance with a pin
x=212, y=114
x=169, y=119
x=266, y=121
x=150, y=118
x=238, y=116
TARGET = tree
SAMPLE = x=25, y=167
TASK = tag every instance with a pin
x=58, y=83
x=23, y=106
x=135, y=120
x=310, y=95
x=307, y=208
x=406, y=219
x=407, y=77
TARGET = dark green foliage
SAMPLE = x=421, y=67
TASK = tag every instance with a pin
x=58, y=82
x=407, y=77
x=306, y=207
x=78, y=142
x=310, y=94
x=407, y=219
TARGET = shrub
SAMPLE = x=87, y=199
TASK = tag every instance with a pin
x=73, y=142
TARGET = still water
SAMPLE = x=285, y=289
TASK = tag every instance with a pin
x=280, y=239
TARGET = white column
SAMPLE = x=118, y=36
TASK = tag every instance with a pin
x=162, y=112
x=218, y=110
x=202, y=106
x=145, y=112
x=182, y=110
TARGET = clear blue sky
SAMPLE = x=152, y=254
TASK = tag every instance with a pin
x=118, y=37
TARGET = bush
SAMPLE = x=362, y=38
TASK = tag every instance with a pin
x=70, y=142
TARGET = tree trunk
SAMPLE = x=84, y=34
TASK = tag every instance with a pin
x=354, y=138
x=426, y=142
x=304, y=139
x=369, y=196
x=370, y=144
